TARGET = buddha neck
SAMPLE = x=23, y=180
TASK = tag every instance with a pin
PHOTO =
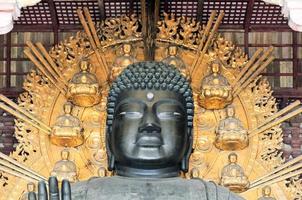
x=148, y=173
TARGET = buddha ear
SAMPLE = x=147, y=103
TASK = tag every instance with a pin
x=111, y=162
x=185, y=160
x=110, y=156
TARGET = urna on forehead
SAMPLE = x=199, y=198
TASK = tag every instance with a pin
x=156, y=76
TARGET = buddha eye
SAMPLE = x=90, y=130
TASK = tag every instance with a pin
x=177, y=114
x=134, y=115
x=166, y=115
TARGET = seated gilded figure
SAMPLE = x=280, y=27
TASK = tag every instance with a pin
x=149, y=141
x=121, y=62
x=174, y=59
x=83, y=88
x=65, y=169
x=216, y=92
x=230, y=133
x=266, y=192
x=233, y=177
x=31, y=187
x=67, y=130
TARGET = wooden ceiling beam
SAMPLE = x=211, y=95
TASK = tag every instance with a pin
x=295, y=59
x=200, y=10
x=101, y=5
x=32, y=28
x=248, y=15
x=150, y=16
x=247, y=22
x=55, y=21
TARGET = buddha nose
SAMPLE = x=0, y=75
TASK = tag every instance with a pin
x=149, y=123
x=149, y=127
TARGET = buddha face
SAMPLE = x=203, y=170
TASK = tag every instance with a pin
x=215, y=67
x=67, y=108
x=172, y=50
x=84, y=65
x=65, y=155
x=230, y=111
x=127, y=48
x=266, y=191
x=149, y=129
x=233, y=158
x=30, y=187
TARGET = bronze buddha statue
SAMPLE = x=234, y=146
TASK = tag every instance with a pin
x=232, y=175
x=149, y=141
x=230, y=133
x=266, y=192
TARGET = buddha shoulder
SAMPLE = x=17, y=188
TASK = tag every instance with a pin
x=125, y=188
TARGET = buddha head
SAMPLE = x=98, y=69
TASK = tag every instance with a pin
x=230, y=111
x=102, y=172
x=266, y=191
x=84, y=65
x=149, y=121
x=215, y=67
x=127, y=48
x=233, y=158
x=67, y=108
x=172, y=50
x=65, y=154
x=31, y=187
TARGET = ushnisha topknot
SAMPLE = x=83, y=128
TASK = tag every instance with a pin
x=151, y=75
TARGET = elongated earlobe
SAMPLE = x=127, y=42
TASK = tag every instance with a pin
x=110, y=156
x=185, y=160
x=111, y=162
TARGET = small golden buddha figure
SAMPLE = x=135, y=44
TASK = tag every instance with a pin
x=216, y=92
x=194, y=173
x=67, y=130
x=230, y=133
x=233, y=177
x=65, y=168
x=121, y=62
x=102, y=172
x=31, y=187
x=266, y=194
x=174, y=59
x=83, y=88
